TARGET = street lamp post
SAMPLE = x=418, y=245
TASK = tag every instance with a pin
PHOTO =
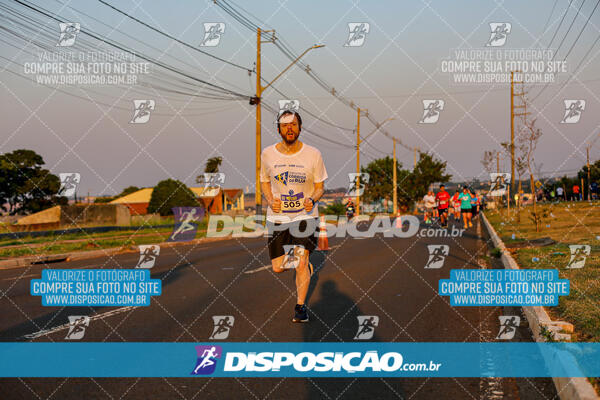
x=257, y=101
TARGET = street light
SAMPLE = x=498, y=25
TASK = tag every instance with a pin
x=257, y=100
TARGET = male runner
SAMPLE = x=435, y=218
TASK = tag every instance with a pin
x=443, y=200
x=292, y=177
x=429, y=204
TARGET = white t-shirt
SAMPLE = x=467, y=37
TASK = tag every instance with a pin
x=429, y=201
x=292, y=178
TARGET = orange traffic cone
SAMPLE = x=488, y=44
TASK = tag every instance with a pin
x=398, y=223
x=323, y=240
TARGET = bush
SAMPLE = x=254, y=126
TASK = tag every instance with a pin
x=335, y=208
x=168, y=194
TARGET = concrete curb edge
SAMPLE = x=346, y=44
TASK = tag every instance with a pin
x=567, y=388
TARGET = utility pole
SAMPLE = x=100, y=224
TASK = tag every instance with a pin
x=497, y=161
x=256, y=100
x=395, y=194
x=358, y=159
x=589, y=196
x=258, y=192
x=512, y=123
x=415, y=157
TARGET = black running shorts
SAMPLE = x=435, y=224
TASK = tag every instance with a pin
x=303, y=233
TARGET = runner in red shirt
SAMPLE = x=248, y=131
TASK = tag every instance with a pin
x=443, y=200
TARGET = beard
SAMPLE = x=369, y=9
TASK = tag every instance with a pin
x=287, y=139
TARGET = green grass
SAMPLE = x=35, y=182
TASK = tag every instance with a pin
x=57, y=244
x=577, y=224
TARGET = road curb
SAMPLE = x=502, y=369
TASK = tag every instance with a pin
x=82, y=255
x=537, y=317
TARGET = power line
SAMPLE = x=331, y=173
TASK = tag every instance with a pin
x=560, y=23
x=174, y=38
x=569, y=29
x=214, y=87
x=582, y=29
x=569, y=52
x=286, y=50
x=549, y=16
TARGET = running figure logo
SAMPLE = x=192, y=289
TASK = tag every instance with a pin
x=500, y=31
x=358, y=34
x=141, y=111
x=292, y=256
x=437, y=255
x=499, y=183
x=68, y=183
x=223, y=324
x=579, y=253
x=361, y=179
x=431, y=111
x=68, y=33
x=212, y=182
x=77, y=326
x=366, y=326
x=212, y=33
x=508, y=326
x=573, y=111
x=148, y=255
x=289, y=105
x=207, y=359
x=186, y=223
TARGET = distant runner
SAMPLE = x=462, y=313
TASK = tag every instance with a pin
x=456, y=205
x=429, y=205
x=465, y=207
x=443, y=200
x=474, y=205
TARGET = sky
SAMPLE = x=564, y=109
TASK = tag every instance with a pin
x=87, y=129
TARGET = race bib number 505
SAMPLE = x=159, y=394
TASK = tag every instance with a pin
x=291, y=203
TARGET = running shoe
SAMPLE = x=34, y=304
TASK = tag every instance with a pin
x=300, y=313
x=470, y=224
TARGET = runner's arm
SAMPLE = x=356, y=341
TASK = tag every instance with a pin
x=267, y=193
x=318, y=191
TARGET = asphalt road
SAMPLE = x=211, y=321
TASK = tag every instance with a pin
x=385, y=277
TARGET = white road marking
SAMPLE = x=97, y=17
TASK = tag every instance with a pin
x=20, y=277
x=66, y=326
x=265, y=267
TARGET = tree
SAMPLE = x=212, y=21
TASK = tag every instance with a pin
x=489, y=156
x=335, y=208
x=24, y=185
x=125, y=192
x=529, y=140
x=412, y=185
x=168, y=194
x=427, y=171
x=380, y=185
x=212, y=166
x=128, y=190
x=594, y=172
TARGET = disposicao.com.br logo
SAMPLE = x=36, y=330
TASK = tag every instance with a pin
x=359, y=226
x=370, y=361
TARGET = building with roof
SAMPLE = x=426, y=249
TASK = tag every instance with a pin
x=214, y=199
